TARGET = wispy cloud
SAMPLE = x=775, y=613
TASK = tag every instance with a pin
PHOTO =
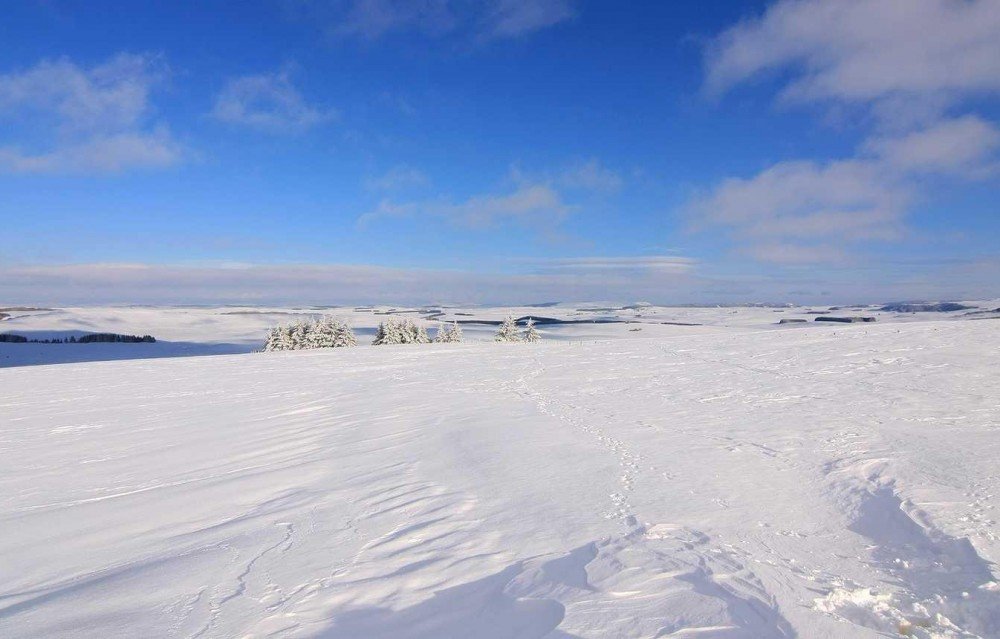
x=590, y=175
x=478, y=20
x=533, y=205
x=111, y=153
x=90, y=120
x=658, y=263
x=514, y=18
x=268, y=102
x=397, y=178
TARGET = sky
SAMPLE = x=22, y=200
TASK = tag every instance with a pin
x=499, y=151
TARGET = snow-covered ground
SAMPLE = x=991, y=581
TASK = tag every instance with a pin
x=185, y=331
x=735, y=479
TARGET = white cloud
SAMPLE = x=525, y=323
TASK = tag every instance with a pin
x=267, y=102
x=865, y=50
x=806, y=211
x=794, y=202
x=533, y=205
x=397, y=178
x=91, y=120
x=485, y=19
x=966, y=145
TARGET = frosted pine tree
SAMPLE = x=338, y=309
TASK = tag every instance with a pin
x=508, y=331
x=530, y=333
x=343, y=336
x=273, y=341
x=380, y=335
x=448, y=333
x=299, y=337
x=388, y=333
x=286, y=339
x=279, y=339
x=407, y=331
x=420, y=335
x=321, y=333
x=441, y=336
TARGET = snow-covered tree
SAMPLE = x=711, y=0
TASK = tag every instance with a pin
x=508, y=331
x=300, y=336
x=419, y=333
x=279, y=339
x=320, y=333
x=343, y=336
x=327, y=332
x=386, y=333
x=448, y=333
x=530, y=333
x=273, y=340
x=400, y=331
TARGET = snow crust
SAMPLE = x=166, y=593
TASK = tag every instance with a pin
x=731, y=481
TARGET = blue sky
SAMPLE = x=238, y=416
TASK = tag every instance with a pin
x=499, y=151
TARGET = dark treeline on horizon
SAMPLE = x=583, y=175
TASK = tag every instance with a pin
x=12, y=338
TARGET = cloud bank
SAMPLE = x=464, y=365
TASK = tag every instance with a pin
x=657, y=279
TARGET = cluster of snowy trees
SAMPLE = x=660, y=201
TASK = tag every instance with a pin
x=509, y=332
x=330, y=332
x=405, y=331
x=326, y=332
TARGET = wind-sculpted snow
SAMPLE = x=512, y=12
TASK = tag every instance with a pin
x=728, y=483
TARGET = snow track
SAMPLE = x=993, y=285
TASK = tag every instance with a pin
x=733, y=484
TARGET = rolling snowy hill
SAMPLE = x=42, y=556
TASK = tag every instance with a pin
x=751, y=483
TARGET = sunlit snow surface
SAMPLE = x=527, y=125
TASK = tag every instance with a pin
x=732, y=480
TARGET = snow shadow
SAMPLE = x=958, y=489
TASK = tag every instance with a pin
x=34, y=354
x=944, y=574
x=941, y=586
x=485, y=609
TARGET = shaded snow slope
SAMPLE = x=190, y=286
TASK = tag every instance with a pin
x=742, y=484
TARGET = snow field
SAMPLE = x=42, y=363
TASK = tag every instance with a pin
x=770, y=483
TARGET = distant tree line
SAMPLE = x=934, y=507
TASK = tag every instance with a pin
x=11, y=338
x=114, y=337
